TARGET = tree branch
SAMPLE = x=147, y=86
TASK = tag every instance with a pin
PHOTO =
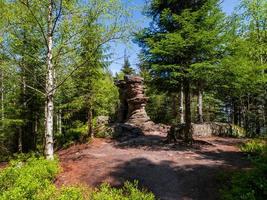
x=35, y=89
x=57, y=17
x=37, y=21
x=79, y=66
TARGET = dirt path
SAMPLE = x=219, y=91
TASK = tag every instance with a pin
x=171, y=172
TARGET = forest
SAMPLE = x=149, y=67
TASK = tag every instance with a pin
x=188, y=121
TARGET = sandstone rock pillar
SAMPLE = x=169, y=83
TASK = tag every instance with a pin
x=132, y=101
x=132, y=116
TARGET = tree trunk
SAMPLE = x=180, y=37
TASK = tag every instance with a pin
x=49, y=150
x=20, y=140
x=182, y=105
x=200, y=106
x=2, y=99
x=59, y=122
x=90, y=122
x=35, y=129
x=235, y=113
x=240, y=116
x=188, y=132
x=174, y=107
x=257, y=126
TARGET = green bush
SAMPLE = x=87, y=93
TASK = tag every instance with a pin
x=32, y=178
x=28, y=179
x=250, y=184
x=72, y=193
x=237, y=131
x=255, y=147
x=129, y=191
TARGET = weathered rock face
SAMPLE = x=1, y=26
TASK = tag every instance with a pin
x=217, y=129
x=207, y=130
x=132, y=100
x=132, y=106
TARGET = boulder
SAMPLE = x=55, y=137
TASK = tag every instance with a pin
x=207, y=130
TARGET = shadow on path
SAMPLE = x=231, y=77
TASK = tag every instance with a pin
x=170, y=171
x=158, y=143
x=169, y=181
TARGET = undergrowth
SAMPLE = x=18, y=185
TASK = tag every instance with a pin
x=249, y=184
x=32, y=178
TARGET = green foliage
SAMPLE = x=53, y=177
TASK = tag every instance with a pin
x=97, y=93
x=72, y=193
x=159, y=109
x=28, y=179
x=32, y=178
x=81, y=34
x=126, y=68
x=225, y=57
x=104, y=132
x=250, y=184
x=75, y=133
x=237, y=131
x=175, y=50
x=255, y=146
x=129, y=191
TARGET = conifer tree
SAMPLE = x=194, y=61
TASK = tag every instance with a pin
x=183, y=41
x=126, y=68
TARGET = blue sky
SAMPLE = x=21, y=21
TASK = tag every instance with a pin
x=141, y=21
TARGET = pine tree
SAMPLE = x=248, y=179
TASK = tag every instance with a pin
x=183, y=42
x=126, y=68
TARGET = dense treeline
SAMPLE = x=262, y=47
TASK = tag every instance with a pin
x=202, y=66
x=54, y=70
x=199, y=66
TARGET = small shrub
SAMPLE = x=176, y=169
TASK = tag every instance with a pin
x=237, y=131
x=28, y=179
x=32, y=178
x=73, y=193
x=129, y=191
x=250, y=184
x=255, y=147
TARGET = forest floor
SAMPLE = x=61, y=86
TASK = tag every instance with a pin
x=170, y=171
x=3, y=165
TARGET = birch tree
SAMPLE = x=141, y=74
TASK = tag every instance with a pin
x=61, y=25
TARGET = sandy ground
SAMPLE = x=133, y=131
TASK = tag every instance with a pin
x=170, y=171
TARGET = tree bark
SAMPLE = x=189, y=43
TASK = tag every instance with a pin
x=49, y=149
x=174, y=107
x=90, y=122
x=2, y=99
x=59, y=122
x=235, y=113
x=20, y=140
x=188, y=132
x=200, y=106
x=35, y=129
x=182, y=105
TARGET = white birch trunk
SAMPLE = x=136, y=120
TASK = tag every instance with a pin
x=182, y=105
x=200, y=106
x=59, y=122
x=49, y=110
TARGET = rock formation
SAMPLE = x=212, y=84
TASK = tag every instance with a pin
x=132, y=115
x=206, y=130
x=217, y=129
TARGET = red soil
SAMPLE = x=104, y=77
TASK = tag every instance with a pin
x=171, y=172
x=3, y=165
